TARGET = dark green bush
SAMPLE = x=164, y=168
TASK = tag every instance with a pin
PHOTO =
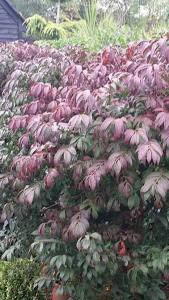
x=17, y=280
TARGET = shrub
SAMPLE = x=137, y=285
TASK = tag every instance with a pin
x=39, y=27
x=36, y=25
x=20, y=66
x=17, y=280
x=92, y=158
x=106, y=33
x=92, y=32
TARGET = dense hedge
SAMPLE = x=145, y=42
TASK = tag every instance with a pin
x=17, y=280
x=85, y=162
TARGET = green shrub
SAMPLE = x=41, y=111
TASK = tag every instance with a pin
x=17, y=280
x=36, y=25
x=106, y=33
x=39, y=27
x=93, y=35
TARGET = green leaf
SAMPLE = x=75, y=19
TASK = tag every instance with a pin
x=53, y=260
x=41, y=283
x=96, y=236
x=85, y=244
x=133, y=201
x=96, y=256
x=62, y=215
x=58, y=263
x=64, y=259
x=41, y=248
x=105, y=258
x=89, y=275
x=164, y=221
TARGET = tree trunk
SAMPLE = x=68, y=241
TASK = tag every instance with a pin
x=58, y=12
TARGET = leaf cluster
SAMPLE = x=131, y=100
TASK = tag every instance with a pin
x=90, y=166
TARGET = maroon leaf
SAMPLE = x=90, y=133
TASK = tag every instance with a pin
x=136, y=137
x=162, y=120
x=79, y=224
x=80, y=122
x=18, y=122
x=29, y=194
x=119, y=161
x=156, y=184
x=150, y=152
x=65, y=155
x=125, y=186
x=50, y=178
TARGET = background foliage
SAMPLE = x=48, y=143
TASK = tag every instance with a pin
x=98, y=24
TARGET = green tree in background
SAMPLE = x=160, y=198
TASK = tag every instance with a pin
x=42, y=7
x=129, y=11
x=57, y=6
x=30, y=7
